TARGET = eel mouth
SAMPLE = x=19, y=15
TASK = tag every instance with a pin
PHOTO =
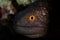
x=35, y=32
x=31, y=31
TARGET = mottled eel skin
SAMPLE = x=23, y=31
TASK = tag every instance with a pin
x=32, y=27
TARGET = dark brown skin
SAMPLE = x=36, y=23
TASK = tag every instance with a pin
x=38, y=27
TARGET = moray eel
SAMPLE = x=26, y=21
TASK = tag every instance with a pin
x=33, y=21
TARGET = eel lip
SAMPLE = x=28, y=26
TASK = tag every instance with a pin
x=34, y=36
x=41, y=26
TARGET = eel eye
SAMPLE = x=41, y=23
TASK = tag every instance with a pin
x=32, y=18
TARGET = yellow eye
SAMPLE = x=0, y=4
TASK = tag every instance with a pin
x=32, y=18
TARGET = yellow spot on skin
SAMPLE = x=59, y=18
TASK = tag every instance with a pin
x=32, y=18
